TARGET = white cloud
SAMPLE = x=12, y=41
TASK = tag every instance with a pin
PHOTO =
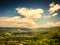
x=54, y=14
x=52, y=10
x=52, y=4
x=19, y=22
x=30, y=13
x=54, y=7
x=15, y=18
x=30, y=16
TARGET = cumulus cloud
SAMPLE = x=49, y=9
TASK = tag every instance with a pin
x=30, y=17
x=52, y=10
x=52, y=4
x=30, y=12
x=15, y=18
x=17, y=21
x=51, y=15
x=9, y=21
x=26, y=23
x=54, y=7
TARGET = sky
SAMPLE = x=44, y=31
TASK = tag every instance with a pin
x=30, y=13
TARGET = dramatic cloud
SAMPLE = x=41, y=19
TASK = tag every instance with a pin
x=28, y=21
x=30, y=13
x=31, y=17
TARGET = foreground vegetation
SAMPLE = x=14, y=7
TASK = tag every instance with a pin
x=50, y=36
